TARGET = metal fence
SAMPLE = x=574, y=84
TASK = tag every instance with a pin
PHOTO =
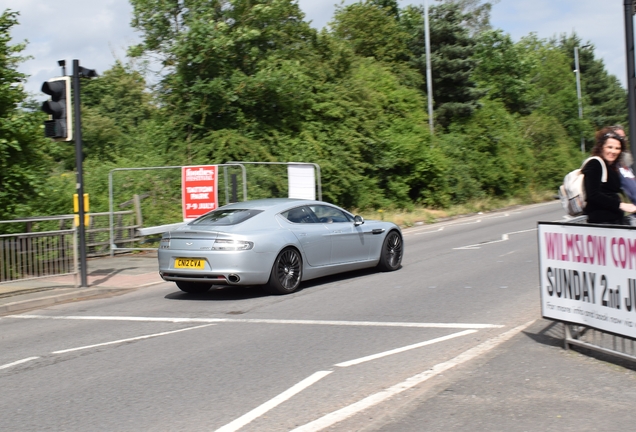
x=36, y=250
x=598, y=340
x=36, y=255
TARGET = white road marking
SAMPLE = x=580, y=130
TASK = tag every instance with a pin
x=504, y=237
x=15, y=363
x=424, y=232
x=348, y=411
x=405, y=348
x=436, y=228
x=272, y=403
x=130, y=339
x=264, y=321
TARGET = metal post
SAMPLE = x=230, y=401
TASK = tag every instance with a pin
x=80, y=174
x=429, y=79
x=631, y=79
x=578, y=93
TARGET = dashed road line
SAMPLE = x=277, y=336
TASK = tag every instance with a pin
x=504, y=237
x=15, y=363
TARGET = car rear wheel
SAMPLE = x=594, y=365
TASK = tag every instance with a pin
x=286, y=272
x=193, y=287
x=391, y=254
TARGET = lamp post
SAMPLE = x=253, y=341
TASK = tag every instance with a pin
x=429, y=79
x=578, y=90
x=631, y=73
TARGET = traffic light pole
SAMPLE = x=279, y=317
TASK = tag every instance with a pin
x=81, y=232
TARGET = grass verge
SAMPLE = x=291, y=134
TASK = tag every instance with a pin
x=423, y=215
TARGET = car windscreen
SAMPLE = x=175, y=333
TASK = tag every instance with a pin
x=225, y=217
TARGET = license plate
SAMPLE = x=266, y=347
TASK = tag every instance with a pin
x=189, y=263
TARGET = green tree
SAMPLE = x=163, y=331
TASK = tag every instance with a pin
x=373, y=30
x=553, y=89
x=503, y=70
x=476, y=13
x=455, y=95
x=489, y=156
x=24, y=153
x=115, y=107
x=604, y=99
x=228, y=63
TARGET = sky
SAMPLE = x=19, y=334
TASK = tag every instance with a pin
x=98, y=32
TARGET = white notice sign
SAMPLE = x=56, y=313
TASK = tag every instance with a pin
x=302, y=181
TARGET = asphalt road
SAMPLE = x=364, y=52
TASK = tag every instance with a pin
x=361, y=351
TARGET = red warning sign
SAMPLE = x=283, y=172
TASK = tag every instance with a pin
x=199, y=192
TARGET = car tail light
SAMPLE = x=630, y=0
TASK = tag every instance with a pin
x=165, y=243
x=232, y=245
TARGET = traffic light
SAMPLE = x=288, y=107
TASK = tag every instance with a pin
x=59, y=107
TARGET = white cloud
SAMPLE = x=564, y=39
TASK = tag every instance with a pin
x=96, y=33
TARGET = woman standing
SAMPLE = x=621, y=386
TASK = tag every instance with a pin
x=604, y=204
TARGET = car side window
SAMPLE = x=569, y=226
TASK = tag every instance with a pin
x=300, y=215
x=328, y=214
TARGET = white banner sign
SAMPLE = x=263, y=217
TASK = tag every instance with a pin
x=588, y=276
x=302, y=181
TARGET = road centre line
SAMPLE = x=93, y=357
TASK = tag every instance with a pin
x=437, y=228
x=130, y=339
x=504, y=237
x=274, y=402
x=374, y=399
x=263, y=321
x=15, y=363
x=405, y=348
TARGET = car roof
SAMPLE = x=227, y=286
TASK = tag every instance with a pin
x=275, y=204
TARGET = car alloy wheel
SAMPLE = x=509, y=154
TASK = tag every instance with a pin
x=286, y=272
x=391, y=255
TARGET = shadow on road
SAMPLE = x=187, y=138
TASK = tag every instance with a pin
x=551, y=333
x=225, y=293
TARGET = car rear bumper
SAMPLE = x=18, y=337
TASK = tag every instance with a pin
x=220, y=268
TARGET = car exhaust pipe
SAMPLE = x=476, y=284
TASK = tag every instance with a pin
x=233, y=278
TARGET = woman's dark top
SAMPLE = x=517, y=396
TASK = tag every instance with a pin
x=602, y=199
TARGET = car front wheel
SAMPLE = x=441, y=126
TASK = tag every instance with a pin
x=286, y=272
x=391, y=254
x=193, y=287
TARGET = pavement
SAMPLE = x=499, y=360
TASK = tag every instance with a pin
x=105, y=276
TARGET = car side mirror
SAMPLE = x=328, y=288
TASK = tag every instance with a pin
x=358, y=220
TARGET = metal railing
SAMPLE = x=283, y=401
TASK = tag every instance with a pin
x=40, y=251
x=36, y=255
x=598, y=340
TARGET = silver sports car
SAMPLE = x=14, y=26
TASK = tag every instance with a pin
x=275, y=242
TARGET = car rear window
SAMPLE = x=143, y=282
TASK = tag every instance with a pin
x=225, y=217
